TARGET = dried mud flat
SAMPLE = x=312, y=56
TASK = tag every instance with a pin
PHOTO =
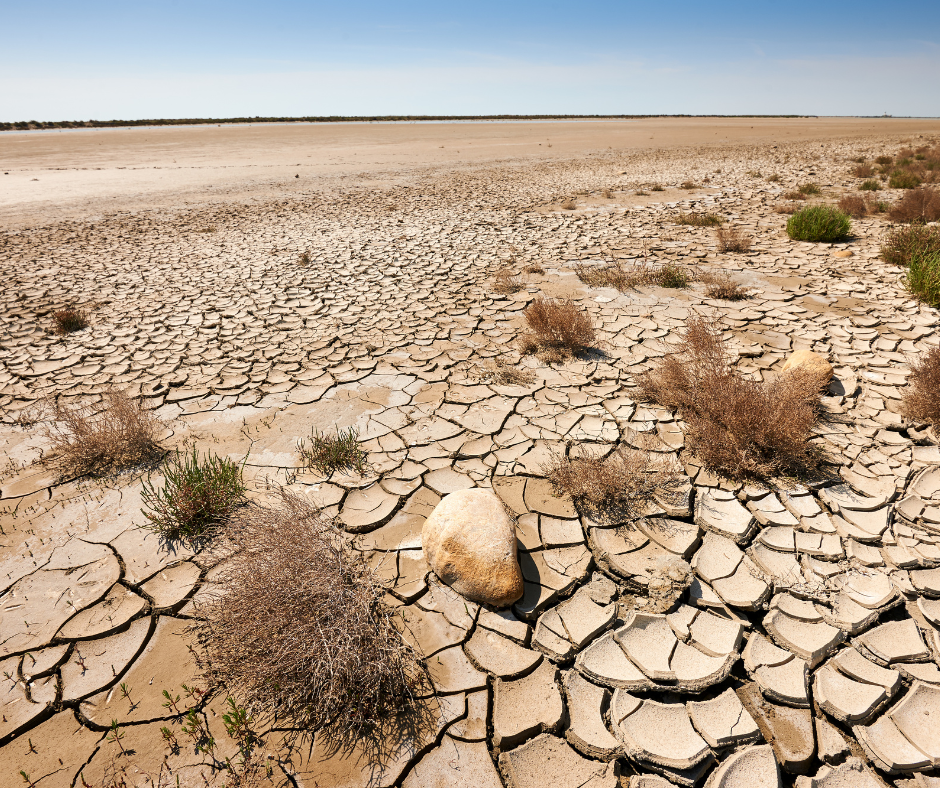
x=808, y=642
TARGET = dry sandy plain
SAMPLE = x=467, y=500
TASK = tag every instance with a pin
x=814, y=607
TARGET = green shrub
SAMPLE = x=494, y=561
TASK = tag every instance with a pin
x=809, y=188
x=698, y=219
x=923, y=276
x=870, y=186
x=327, y=453
x=197, y=495
x=819, y=223
x=903, y=179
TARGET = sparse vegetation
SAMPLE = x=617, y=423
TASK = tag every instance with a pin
x=918, y=205
x=863, y=171
x=330, y=453
x=626, y=277
x=503, y=373
x=922, y=395
x=299, y=627
x=558, y=329
x=870, y=186
x=506, y=282
x=657, y=187
x=304, y=259
x=855, y=206
x=809, y=189
x=569, y=205
x=794, y=196
x=904, y=179
x=688, y=185
x=737, y=427
x=533, y=268
x=786, y=209
x=721, y=286
x=197, y=496
x=69, y=320
x=733, y=240
x=120, y=434
x=698, y=219
x=819, y=223
x=923, y=276
x=903, y=243
x=620, y=485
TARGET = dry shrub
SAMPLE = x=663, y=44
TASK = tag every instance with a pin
x=794, y=196
x=502, y=373
x=918, y=205
x=688, y=185
x=608, y=194
x=903, y=243
x=720, y=285
x=698, y=219
x=625, y=277
x=297, y=625
x=786, y=209
x=922, y=396
x=855, y=206
x=657, y=187
x=534, y=268
x=809, y=188
x=569, y=204
x=863, y=171
x=733, y=240
x=738, y=427
x=559, y=329
x=618, y=487
x=122, y=434
x=65, y=321
x=506, y=282
x=304, y=259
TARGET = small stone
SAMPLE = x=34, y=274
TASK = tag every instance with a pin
x=810, y=360
x=470, y=543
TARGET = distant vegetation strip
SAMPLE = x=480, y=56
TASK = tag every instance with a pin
x=28, y=125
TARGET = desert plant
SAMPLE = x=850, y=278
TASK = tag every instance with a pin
x=197, y=496
x=558, y=329
x=619, y=486
x=923, y=276
x=733, y=240
x=884, y=161
x=298, y=626
x=819, y=223
x=607, y=194
x=304, y=259
x=503, y=373
x=870, y=186
x=698, y=219
x=569, y=204
x=657, y=187
x=809, y=189
x=902, y=243
x=68, y=320
x=786, y=209
x=533, y=268
x=625, y=277
x=505, y=282
x=904, y=179
x=794, y=196
x=918, y=205
x=329, y=453
x=737, y=427
x=922, y=395
x=863, y=171
x=721, y=286
x=688, y=185
x=119, y=435
x=854, y=206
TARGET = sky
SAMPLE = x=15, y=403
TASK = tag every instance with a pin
x=172, y=59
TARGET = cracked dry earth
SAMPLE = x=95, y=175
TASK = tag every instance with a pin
x=807, y=641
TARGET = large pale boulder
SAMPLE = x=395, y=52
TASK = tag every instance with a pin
x=470, y=543
x=811, y=361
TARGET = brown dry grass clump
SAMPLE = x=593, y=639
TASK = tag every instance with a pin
x=863, y=171
x=698, y=219
x=787, y=209
x=122, y=434
x=903, y=243
x=69, y=319
x=794, y=196
x=917, y=206
x=620, y=485
x=534, y=268
x=733, y=240
x=720, y=285
x=922, y=396
x=502, y=373
x=855, y=206
x=558, y=329
x=625, y=277
x=297, y=626
x=738, y=427
x=688, y=185
x=569, y=204
x=506, y=282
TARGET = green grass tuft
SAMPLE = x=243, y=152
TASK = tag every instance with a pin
x=698, y=219
x=809, y=188
x=903, y=179
x=923, y=276
x=870, y=186
x=328, y=453
x=197, y=496
x=819, y=223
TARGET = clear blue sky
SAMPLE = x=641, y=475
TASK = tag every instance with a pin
x=103, y=60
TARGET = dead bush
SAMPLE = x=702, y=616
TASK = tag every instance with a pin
x=688, y=185
x=625, y=277
x=558, y=329
x=863, y=171
x=119, y=435
x=506, y=282
x=617, y=487
x=608, y=194
x=304, y=259
x=503, y=373
x=794, y=196
x=720, y=285
x=68, y=320
x=533, y=268
x=903, y=243
x=733, y=240
x=786, y=209
x=738, y=427
x=855, y=206
x=922, y=395
x=569, y=204
x=298, y=627
x=917, y=206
